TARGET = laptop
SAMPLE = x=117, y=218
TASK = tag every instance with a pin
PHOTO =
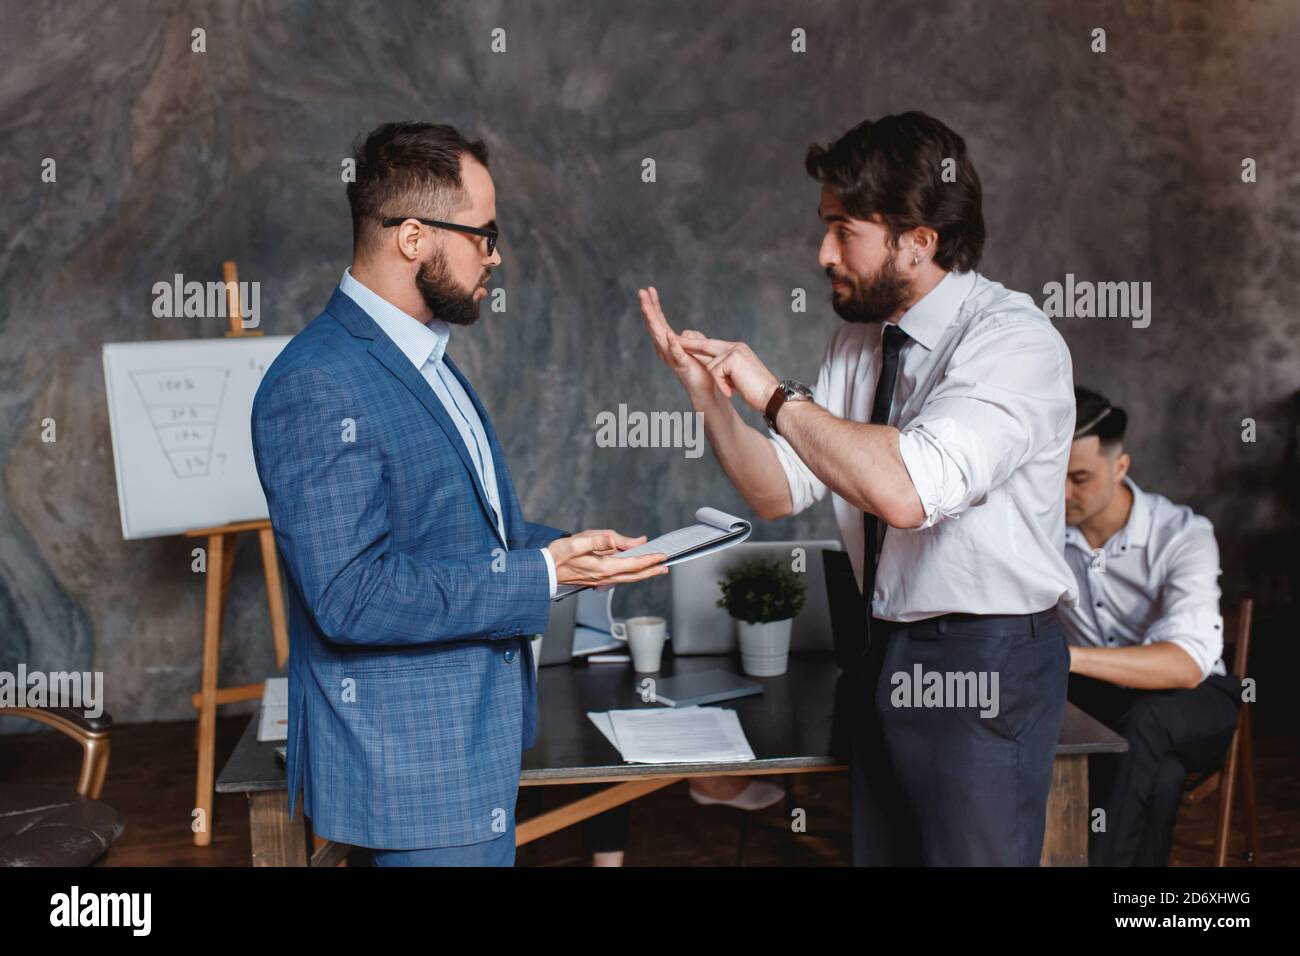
x=699, y=626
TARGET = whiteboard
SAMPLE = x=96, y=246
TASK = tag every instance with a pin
x=180, y=416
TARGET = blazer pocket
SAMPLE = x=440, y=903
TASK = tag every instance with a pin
x=432, y=739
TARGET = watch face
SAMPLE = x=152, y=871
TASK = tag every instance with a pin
x=793, y=388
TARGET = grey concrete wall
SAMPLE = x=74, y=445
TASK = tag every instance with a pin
x=1123, y=165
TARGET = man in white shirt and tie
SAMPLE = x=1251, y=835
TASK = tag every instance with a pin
x=941, y=424
x=1145, y=639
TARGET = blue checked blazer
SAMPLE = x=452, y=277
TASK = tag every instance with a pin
x=411, y=686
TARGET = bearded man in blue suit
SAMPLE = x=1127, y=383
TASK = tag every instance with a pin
x=415, y=583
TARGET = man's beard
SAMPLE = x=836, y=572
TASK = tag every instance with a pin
x=445, y=299
x=872, y=300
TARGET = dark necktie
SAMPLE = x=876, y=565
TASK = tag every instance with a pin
x=894, y=340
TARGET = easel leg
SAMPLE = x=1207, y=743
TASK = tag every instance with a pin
x=219, y=562
x=274, y=596
x=226, y=556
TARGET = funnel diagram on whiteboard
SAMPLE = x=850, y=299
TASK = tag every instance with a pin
x=184, y=405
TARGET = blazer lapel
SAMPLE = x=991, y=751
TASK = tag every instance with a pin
x=355, y=320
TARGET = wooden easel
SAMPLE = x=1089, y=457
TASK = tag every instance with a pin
x=222, y=542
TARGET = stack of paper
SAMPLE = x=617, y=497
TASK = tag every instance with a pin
x=679, y=735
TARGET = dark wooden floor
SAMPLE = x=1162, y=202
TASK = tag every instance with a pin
x=151, y=783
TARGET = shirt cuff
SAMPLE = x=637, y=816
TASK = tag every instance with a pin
x=1198, y=632
x=550, y=568
x=797, y=474
x=936, y=480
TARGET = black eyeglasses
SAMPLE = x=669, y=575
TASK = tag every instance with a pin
x=490, y=233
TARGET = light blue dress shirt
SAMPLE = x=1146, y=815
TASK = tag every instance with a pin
x=425, y=345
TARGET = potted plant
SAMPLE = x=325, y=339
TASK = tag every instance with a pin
x=763, y=597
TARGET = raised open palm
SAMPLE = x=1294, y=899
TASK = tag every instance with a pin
x=690, y=371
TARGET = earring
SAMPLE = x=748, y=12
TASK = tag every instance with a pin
x=914, y=260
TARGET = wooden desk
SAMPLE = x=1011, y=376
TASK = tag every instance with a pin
x=790, y=726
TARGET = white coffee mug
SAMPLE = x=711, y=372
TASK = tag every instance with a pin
x=645, y=638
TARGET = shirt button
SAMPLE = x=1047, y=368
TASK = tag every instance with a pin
x=1110, y=640
x=1099, y=604
x=510, y=656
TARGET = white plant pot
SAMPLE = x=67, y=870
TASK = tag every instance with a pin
x=764, y=648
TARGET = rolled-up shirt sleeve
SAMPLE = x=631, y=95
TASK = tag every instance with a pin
x=805, y=487
x=936, y=475
x=1003, y=397
x=1189, y=598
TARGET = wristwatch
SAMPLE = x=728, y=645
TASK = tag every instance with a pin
x=787, y=391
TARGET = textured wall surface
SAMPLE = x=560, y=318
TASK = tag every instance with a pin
x=1115, y=166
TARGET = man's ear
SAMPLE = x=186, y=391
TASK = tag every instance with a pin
x=920, y=242
x=408, y=240
x=1122, y=461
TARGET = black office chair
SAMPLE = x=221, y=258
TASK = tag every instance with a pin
x=59, y=826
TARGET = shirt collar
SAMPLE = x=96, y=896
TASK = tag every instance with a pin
x=925, y=321
x=1135, y=532
x=419, y=342
x=1137, y=529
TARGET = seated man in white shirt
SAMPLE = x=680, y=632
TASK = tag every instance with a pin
x=1145, y=639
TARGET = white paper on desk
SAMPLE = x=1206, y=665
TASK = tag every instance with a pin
x=274, y=720
x=713, y=530
x=680, y=735
x=602, y=722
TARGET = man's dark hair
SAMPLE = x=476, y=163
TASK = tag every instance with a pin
x=1095, y=415
x=407, y=169
x=893, y=168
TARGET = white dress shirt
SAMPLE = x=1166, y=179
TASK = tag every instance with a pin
x=425, y=345
x=1156, y=579
x=984, y=401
